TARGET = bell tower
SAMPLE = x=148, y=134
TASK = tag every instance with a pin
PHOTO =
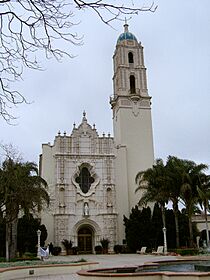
x=132, y=123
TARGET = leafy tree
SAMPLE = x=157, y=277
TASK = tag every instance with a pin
x=43, y=236
x=33, y=28
x=156, y=188
x=132, y=229
x=179, y=180
x=174, y=183
x=21, y=188
x=191, y=174
x=203, y=238
x=184, y=229
x=145, y=220
x=2, y=237
x=144, y=228
x=156, y=227
x=137, y=228
x=171, y=232
x=27, y=234
x=203, y=190
x=184, y=181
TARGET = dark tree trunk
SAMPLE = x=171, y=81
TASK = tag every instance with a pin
x=164, y=228
x=176, y=217
x=7, y=239
x=190, y=231
x=163, y=215
x=13, y=246
x=11, y=239
x=207, y=227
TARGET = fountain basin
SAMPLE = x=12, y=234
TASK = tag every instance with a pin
x=202, y=267
x=173, y=270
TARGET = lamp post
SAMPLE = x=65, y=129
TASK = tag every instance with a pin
x=164, y=240
x=38, y=249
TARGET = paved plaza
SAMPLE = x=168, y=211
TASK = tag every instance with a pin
x=113, y=260
x=103, y=261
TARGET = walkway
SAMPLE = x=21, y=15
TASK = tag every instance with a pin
x=113, y=260
x=103, y=260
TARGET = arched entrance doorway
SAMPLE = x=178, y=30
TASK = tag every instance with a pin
x=85, y=240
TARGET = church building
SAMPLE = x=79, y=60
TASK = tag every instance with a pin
x=91, y=178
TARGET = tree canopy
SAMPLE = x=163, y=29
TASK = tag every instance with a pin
x=179, y=180
x=21, y=189
x=156, y=191
x=143, y=227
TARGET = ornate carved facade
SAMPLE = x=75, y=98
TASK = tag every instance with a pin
x=91, y=178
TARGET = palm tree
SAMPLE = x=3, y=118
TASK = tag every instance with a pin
x=174, y=183
x=156, y=191
x=203, y=190
x=21, y=188
x=191, y=174
x=178, y=179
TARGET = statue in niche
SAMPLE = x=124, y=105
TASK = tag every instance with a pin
x=109, y=197
x=61, y=197
x=86, y=209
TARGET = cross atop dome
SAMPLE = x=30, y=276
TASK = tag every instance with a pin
x=126, y=26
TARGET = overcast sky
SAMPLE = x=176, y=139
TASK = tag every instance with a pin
x=176, y=40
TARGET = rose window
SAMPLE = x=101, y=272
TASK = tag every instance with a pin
x=84, y=180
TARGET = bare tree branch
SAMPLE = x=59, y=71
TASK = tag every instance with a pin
x=108, y=12
x=28, y=27
x=10, y=151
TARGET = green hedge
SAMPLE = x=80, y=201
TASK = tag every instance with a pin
x=187, y=251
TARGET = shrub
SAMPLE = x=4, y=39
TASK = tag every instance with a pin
x=75, y=250
x=187, y=251
x=126, y=249
x=98, y=249
x=68, y=246
x=27, y=234
x=105, y=243
x=81, y=260
x=56, y=250
x=29, y=254
x=118, y=249
x=23, y=259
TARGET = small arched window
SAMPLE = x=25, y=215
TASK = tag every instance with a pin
x=84, y=180
x=132, y=84
x=130, y=57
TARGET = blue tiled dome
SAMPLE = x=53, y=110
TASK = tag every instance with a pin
x=126, y=36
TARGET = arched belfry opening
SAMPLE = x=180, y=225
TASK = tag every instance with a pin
x=85, y=240
x=130, y=57
x=132, y=84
